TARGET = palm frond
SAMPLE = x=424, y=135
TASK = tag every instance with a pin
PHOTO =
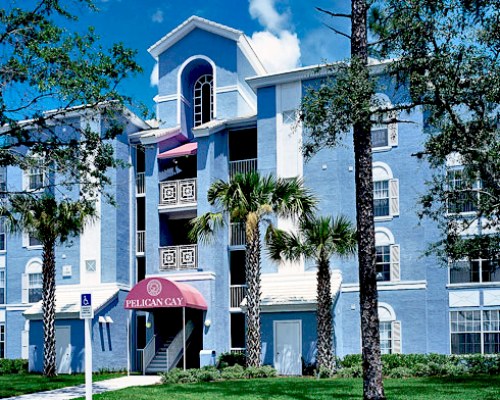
x=283, y=245
x=204, y=227
x=292, y=198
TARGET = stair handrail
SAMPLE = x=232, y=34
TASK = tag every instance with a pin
x=148, y=353
x=176, y=345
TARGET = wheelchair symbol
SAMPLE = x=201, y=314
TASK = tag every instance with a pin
x=85, y=301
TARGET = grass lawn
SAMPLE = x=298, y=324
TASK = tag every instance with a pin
x=17, y=384
x=467, y=388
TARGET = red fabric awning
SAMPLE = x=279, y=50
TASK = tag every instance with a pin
x=187, y=149
x=163, y=293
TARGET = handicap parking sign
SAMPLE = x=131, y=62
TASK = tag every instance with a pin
x=86, y=309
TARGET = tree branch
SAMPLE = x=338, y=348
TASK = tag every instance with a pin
x=338, y=32
x=332, y=14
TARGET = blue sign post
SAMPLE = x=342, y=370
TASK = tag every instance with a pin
x=87, y=314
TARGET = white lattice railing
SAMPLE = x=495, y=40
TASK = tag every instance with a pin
x=175, y=348
x=242, y=166
x=178, y=193
x=141, y=241
x=179, y=257
x=148, y=353
x=139, y=183
x=237, y=294
x=237, y=234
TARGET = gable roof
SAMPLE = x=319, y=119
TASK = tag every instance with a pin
x=194, y=22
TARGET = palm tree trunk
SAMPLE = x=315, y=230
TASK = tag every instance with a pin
x=49, y=309
x=252, y=268
x=324, y=346
x=373, y=388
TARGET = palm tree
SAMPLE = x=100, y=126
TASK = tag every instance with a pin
x=52, y=222
x=248, y=198
x=318, y=239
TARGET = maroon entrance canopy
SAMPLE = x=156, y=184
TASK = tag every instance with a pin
x=163, y=293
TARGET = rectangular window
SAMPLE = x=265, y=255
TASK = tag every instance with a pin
x=3, y=180
x=2, y=286
x=380, y=137
x=2, y=340
x=381, y=198
x=2, y=235
x=383, y=261
x=475, y=271
x=461, y=198
x=33, y=240
x=35, y=287
x=475, y=332
x=386, y=337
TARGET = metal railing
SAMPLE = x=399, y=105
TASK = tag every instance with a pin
x=237, y=294
x=140, y=187
x=175, y=349
x=237, y=234
x=179, y=257
x=242, y=166
x=141, y=242
x=238, y=350
x=148, y=353
x=178, y=193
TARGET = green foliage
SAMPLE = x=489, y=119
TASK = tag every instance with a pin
x=234, y=372
x=230, y=359
x=424, y=365
x=13, y=366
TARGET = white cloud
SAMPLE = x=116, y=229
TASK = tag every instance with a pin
x=266, y=13
x=277, y=52
x=153, y=78
x=157, y=16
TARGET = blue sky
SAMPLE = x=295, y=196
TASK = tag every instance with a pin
x=285, y=32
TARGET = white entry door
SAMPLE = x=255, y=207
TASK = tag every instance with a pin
x=288, y=347
x=63, y=349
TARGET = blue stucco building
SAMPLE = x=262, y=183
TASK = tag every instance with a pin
x=154, y=289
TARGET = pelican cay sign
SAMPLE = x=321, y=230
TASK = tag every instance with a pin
x=153, y=293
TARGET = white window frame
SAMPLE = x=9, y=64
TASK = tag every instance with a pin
x=383, y=173
x=3, y=179
x=33, y=267
x=27, y=235
x=476, y=186
x=387, y=316
x=382, y=100
x=480, y=261
x=206, y=79
x=385, y=238
x=482, y=331
x=35, y=171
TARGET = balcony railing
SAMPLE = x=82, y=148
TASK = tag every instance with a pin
x=140, y=188
x=242, y=166
x=237, y=234
x=178, y=193
x=237, y=293
x=141, y=242
x=175, y=258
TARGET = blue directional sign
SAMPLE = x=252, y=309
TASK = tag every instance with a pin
x=86, y=309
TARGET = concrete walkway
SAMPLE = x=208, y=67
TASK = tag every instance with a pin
x=72, y=392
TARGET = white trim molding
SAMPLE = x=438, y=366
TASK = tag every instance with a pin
x=387, y=286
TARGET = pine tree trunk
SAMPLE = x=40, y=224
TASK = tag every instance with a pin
x=324, y=354
x=373, y=388
x=49, y=309
x=252, y=267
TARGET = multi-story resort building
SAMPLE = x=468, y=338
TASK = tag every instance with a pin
x=154, y=289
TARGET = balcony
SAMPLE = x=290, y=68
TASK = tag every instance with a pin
x=237, y=234
x=140, y=188
x=242, y=166
x=140, y=242
x=178, y=194
x=237, y=294
x=179, y=258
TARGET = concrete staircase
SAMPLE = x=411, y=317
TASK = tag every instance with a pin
x=159, y=362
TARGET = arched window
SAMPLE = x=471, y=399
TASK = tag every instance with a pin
x=385, y=192
x=387, y=256
x=390, y=330
x=203, y=99
x=32, y=282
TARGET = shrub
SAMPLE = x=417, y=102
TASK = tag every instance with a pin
x=234, y=372
x=350, y=372
x=325, y=373
x=351, y=360
x=13, y=366
x=400, y=373
x=178, y=375
x=230, y=359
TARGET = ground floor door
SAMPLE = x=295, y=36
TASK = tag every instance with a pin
x=288, y=347
x=63, y=349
